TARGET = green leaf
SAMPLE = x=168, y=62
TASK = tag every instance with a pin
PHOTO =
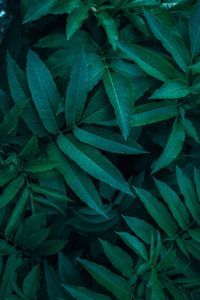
x=156, y=286
x=30, y=149
x=54, y=289
x=7, y=175
x=36, y=10
x=134, y=243
x=77, y=91
x=171, y=42
x=188, y=191
x=158, y=211
x=49, y=192
x=11, y=119
x=107, y=140
x=175, y=205
x=17, y=212
x=43, y=91
x=195, y=68
x=189, y=128
x=11, y=190
x=115, y=284
x=82, y=293
x=75, y=19
x=150, y=61
x=39, y=165
x=98, y=110
x=31, y=282
x=141, y=228
x=173, y=89
x=122, y=98
x=20, y=93
x=172, y=149
x=194, y=30
x=93, y=162
x=77, y=180
x=154, y=112
x=197, y=182
x=50, y=247
x=121, y=260
x=11, y=265
x=109, y=26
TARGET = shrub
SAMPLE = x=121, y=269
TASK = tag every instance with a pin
x=99, y=150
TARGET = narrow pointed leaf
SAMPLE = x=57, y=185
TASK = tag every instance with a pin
x=76, y=92
x=194, y=30
x=20, y=93
x=141, y=228
x=75, y=19
x=188, y=191
x=82, y=293
x=121, y=260
x=175, y=205
x=43, y=90
x=17, y=212
x=77, y=180
x=171, y=42
x=110, y=27
x=31, y=282
x=153, y=112
x=173, y=89
x=134, y=243
x=107, y=140
x=11, y=119
x=11, y=190
x=93, y=162
x=158, y=212
x=115, y=284
x=150, y=61
x=172, y=149
x=122, y=98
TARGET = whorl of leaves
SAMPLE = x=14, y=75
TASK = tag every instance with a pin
x=99, y=150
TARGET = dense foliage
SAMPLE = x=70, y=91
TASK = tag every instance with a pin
x=99, y=150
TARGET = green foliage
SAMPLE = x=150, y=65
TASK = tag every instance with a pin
x=99, y=150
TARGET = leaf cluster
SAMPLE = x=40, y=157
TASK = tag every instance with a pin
x=99, y=150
